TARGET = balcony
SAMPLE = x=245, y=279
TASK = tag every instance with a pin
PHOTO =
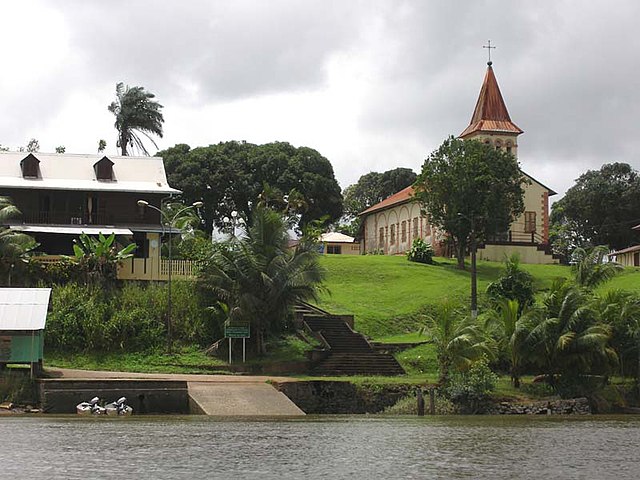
x=145, y=269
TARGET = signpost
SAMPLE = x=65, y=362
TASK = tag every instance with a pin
x=237, y=331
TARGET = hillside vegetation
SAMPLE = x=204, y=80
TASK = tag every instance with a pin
x=389, y=295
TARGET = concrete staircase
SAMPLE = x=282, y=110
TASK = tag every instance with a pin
x=348, y=352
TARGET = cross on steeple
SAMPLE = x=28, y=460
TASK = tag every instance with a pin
x=489, y=47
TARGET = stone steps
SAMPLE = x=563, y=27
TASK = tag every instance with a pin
x=350, y=353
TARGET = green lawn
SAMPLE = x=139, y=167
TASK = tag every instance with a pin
x=389, y=295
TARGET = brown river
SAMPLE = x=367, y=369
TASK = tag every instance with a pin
x=335, y=447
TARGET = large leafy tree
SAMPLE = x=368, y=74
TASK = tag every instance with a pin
x=136, y=113
x=374, y=187
x=468, y=188
x=599, y=209
x=231, y=176
x=257, y=280
x=370, y=189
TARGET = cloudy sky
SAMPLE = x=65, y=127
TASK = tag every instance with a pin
x=372, y=85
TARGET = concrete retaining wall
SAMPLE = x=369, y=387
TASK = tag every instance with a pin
x=145, y=396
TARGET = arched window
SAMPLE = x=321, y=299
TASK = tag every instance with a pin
x=509, y=147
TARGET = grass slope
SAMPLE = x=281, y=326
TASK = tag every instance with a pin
x=388, y=294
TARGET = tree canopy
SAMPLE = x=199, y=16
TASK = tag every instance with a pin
x=231, y=176
x=136, y=112
x=469, y=187
x=599, y=209
x=374, y=187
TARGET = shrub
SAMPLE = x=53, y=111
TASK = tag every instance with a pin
x=470, y=390
x=513, y=284
x=420, y=252
x=409, y=405
x=129, y=319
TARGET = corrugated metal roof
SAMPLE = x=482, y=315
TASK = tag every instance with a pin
x=490, y=114
x=404, y=195
x=23, y=308
x=66, y=230
x=76, y=172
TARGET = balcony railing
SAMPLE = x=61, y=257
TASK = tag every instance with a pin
x=149, y=269
x=80, y=217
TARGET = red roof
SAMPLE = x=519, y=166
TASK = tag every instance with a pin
x=490, y=114
x=402, y=196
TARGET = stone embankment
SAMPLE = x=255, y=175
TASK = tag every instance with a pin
x=573, y=406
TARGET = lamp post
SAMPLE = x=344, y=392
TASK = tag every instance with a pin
x=474, y=272
x=233, y=222
x=165, y=219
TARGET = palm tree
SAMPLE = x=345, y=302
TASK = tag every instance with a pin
x=136, y=112
x=590, y=269
x=457, y=339
x=568, y=339
x=512, y=329
x=15, y=247
x=258, y=279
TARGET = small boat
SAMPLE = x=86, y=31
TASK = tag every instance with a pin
x=92, y=407
x=119, y=407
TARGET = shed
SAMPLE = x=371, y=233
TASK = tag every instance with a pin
x=23, y=315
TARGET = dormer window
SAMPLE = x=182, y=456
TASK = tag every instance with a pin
x=30, y=166
x=104, y=169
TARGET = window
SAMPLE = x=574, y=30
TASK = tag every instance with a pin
x=381, y=240
x=334, y=249
x=529, y=222
x=498, y=144
x=103, y=169
x=30, y=166
x=393, y=234
x=416, y=225
x=404, y=232
x=508, y=147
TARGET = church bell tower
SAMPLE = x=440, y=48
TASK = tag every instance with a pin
x=490, y=122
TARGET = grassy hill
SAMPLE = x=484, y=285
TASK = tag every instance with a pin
x=388, y=294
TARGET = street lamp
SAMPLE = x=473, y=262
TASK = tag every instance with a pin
x=165, y=219
x=233, y=222
x=474, y=277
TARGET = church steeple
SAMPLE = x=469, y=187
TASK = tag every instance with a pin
x=490, y=121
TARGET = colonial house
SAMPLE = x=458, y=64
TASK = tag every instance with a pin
x=62, y=195
x=391, y=225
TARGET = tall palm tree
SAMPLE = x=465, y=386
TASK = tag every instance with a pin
x=258, y=279
x=458, y=340
x=136, y=112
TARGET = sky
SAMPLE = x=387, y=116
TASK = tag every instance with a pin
x=372, y=85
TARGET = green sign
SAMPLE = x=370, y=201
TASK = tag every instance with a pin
x=236, y=331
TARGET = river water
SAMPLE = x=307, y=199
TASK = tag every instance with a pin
x=368, y=447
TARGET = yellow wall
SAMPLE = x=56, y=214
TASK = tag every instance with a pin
x=625, y=259
x=346, y=248
x=527, y=253
x=384, y=219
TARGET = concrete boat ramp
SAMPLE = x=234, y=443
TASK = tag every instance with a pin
x=216, y=395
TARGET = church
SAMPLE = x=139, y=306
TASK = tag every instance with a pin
x=390, y=226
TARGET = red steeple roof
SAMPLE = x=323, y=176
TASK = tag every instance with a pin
x=490, y=114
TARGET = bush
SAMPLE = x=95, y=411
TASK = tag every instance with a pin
x=513, y=284
x=129, y=319
x=409, y=405
x=470, y=390
x=420, y=252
